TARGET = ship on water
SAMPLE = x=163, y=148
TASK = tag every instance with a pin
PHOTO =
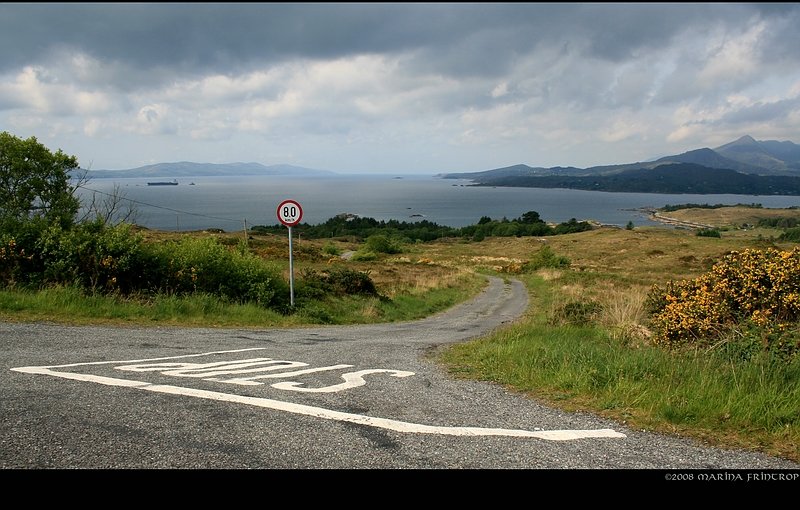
x=163, y=183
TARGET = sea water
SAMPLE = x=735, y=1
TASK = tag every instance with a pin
x=235, y=202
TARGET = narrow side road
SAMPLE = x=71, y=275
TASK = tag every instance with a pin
x=342, y=397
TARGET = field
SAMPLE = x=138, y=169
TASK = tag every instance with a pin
x=732, y=217
x=584, y=343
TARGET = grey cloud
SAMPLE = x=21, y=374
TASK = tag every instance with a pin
x=216, y=35
x=762, y=112
x=457, y=38
x=782, y=40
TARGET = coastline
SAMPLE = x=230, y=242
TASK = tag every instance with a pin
x=654, y=215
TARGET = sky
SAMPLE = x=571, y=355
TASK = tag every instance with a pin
x=400, y=88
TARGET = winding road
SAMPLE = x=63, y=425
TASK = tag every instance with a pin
x=340, y=397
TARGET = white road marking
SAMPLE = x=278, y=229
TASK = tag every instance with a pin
x=384, y=423
x=351, y=380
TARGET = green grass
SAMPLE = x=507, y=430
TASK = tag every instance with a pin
x=739, y=404
x=70, y=305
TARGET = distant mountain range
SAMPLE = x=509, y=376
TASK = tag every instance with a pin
x=744, y=166
x=188, y=169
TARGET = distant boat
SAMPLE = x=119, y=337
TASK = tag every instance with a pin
x=163, y=183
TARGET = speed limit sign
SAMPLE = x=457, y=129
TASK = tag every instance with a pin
x=290, y=213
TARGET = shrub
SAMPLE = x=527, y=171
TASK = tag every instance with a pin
x=330, y=249
x=12, y=260
x=204, y=265
x=363, y=255
x=546, y=258
x=380, y=243
x=708, y=232
x=755, y=293
x=791, y=235
x=577, y=313
x=572, y=226
x=337, y=281
x=93, y=255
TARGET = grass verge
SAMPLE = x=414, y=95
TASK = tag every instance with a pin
x=68, y=305
x=751, y=405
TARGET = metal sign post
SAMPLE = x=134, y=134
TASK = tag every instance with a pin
x=290, y=213
x=291, y=271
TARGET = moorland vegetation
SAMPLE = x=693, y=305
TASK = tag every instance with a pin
x=662, y=328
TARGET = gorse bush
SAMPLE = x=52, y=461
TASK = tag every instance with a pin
x=92, y=256
x=89, y=255
x=752, y=296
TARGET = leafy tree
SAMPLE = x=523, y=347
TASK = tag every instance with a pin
x=572, y=226
x=35, y=184
x=531, y=217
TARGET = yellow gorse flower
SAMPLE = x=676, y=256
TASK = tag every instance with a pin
x=761, y=287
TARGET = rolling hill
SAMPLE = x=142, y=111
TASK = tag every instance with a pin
x=189, y=169
x=744, y=166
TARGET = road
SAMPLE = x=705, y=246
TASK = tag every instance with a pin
x=341, y=397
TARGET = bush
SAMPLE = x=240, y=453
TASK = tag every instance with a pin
x=546, y=258
x=754, y=293
x=204, y=265
x=114, y=259
x=337, y=282
x=364, y=256
x=330, y=249
x=380, y=243
x=791, y=235
x=94, y=256
x=708, y=232
x=572, y=226
x=577, y=313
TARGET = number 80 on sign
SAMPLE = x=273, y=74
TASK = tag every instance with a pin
x=290, y=213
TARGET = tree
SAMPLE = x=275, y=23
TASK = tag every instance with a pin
x=531, y=217
x=35, y=184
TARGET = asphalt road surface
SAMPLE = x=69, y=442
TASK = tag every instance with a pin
x=342, y=397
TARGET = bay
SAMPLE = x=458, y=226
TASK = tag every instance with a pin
x=229, y=203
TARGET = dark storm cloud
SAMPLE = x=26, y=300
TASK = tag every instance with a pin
x=454, y=38
x=219, y=36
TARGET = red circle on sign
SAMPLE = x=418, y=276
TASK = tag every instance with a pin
x=290, y=213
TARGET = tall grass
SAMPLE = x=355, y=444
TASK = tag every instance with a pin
x=710, y=396
x=73, y=305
